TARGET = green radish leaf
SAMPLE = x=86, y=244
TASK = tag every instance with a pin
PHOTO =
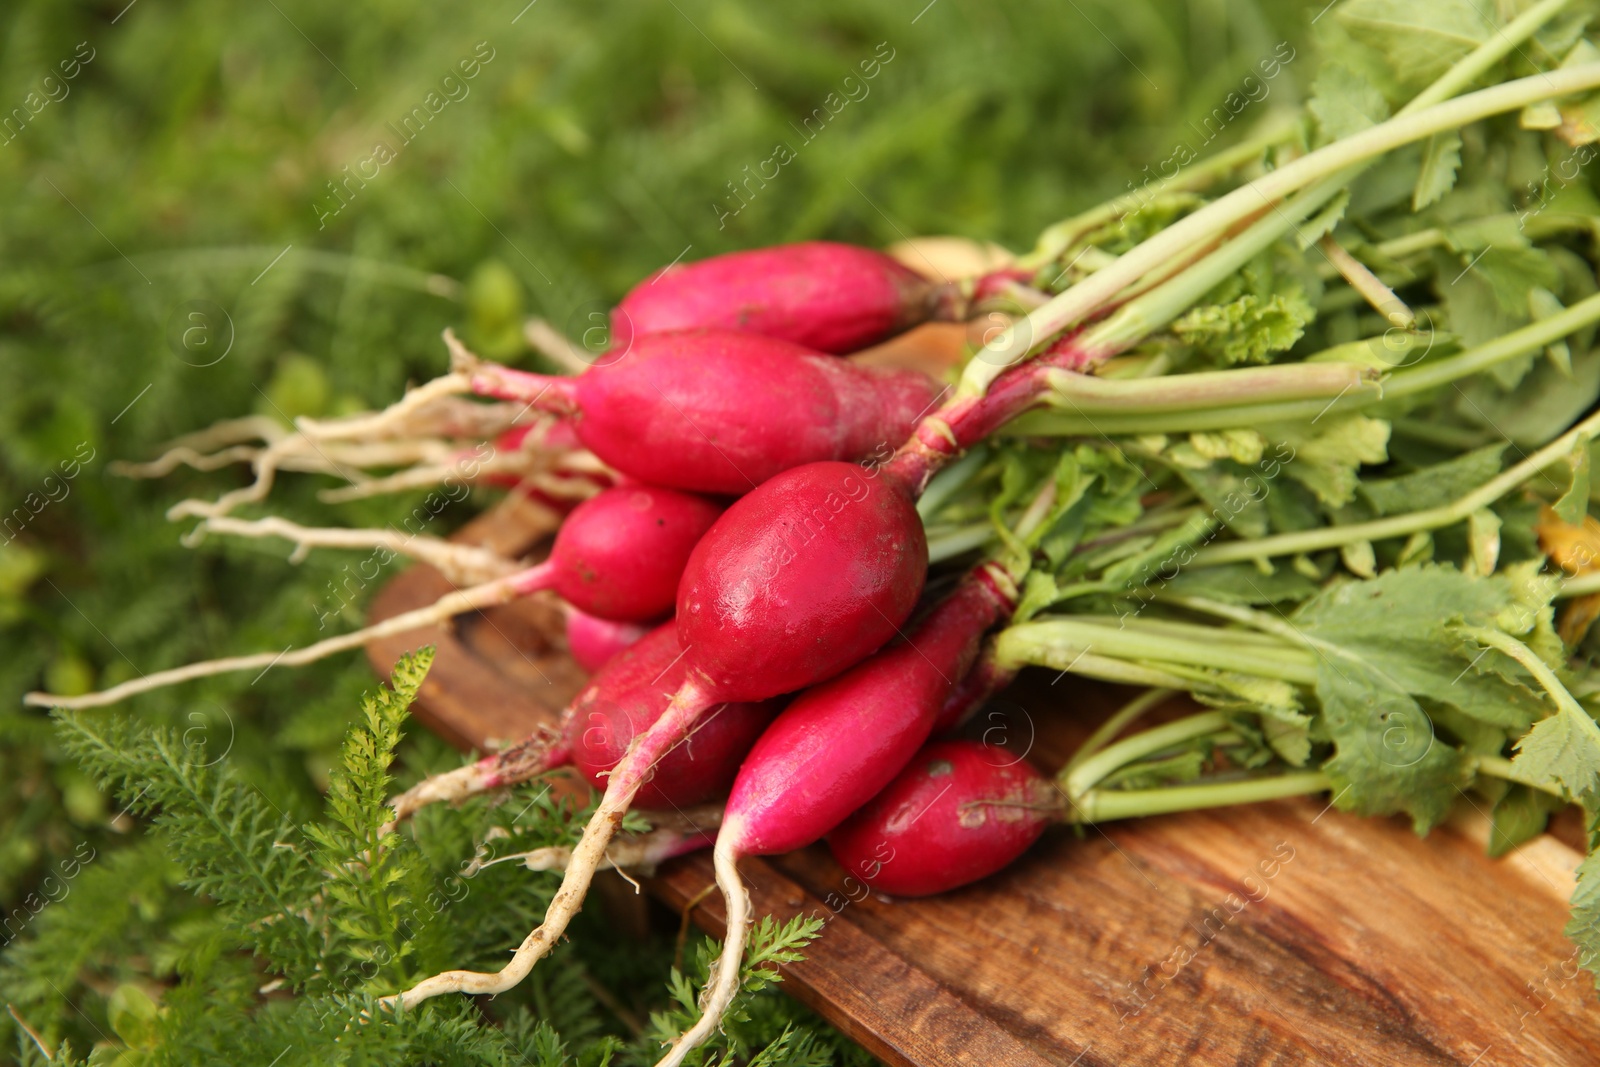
x=1329, y=452
x=1441, y=159
x=1398, y=628
x=1420, y=41
x=1563, y=751
x=1345, y=102
x=1386, y=759
x=1434, y=486
x=1583, y=928
x=1573, y=506
x=1251, y=329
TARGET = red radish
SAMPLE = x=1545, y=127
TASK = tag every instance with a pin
x=961, y=811
x=627, y=697
x=633, y=690
x=840, y=742
x=620, y=553
x=594, y=641
x=720, y=412
x=826, y=296
x=833, y=749
x=984, y=680
x=799, y=580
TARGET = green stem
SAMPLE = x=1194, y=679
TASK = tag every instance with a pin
x=950, y=481
x=1259, y=620
x=1535, y=666
x=1580, y=585
x=1400, y=525
x=1183, y=392
x=1101, y=805
x=1089, y=772
x=1530, y=338
x=956, y=542
x=1059, y=237
x=1113, y=726
x=1500, y=767
x=1195, y=631
x=1050, y=641
x=1102, y=668
x=1404, y=383
x=1095, y=291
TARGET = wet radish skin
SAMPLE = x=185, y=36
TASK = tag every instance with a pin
x=827, y=296
x=959, y=812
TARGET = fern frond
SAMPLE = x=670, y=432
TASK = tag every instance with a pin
x=233, y=848
x=364, y=870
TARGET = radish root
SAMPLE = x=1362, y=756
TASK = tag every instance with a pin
x=461, y=564
x=724, y=983
x=687, y=706
x=475, y=598
x=531, y=756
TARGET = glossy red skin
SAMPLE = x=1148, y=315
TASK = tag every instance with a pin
x=826, y=296
x=620, y=553
x=800, y=580
x=930, y=829
x=630, y=694
x=721, y=412
x=594, y=641
x=841, y=742
x=980, y=683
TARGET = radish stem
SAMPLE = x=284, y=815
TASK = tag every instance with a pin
x=1124, y=715
x=1402, y=525
x=1105, y=804
x=1324, y=163
x=1079, y=780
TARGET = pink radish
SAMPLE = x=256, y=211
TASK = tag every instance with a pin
x=984, y=680
x=840, y=742
x=628, y=696
x=720, y=412
x=799, y=580
x=961, y=811
x=594, y=641
x=826, y=296
x=833, y=749
x=620, y=553
x=633, y=690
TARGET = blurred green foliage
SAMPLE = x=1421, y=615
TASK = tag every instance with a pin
x=168, y=152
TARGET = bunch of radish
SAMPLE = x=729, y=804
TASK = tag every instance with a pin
x=751, y=540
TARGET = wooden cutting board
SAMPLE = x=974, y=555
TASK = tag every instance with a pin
x=1281, y=933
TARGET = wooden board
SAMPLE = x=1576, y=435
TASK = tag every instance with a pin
x=1281, y=933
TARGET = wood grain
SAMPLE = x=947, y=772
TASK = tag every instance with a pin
x=1282, y=933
